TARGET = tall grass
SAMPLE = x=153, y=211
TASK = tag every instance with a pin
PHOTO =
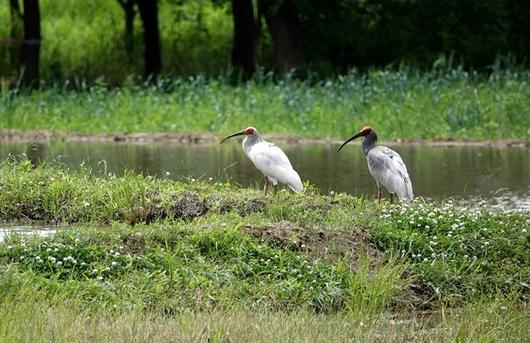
x=401, y=105
x=64, y=323
x=373, y=292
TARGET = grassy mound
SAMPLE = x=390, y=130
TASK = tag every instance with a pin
x=158, y=251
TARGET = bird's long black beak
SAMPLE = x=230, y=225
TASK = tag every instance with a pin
x=351, y=139
x=238, y=133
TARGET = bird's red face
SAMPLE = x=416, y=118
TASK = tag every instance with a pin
x=249, y=131
x=365, y=131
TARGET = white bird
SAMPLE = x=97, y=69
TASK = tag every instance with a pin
x=269, y=159
x=385, y=165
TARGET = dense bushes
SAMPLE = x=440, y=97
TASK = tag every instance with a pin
x=86, y=39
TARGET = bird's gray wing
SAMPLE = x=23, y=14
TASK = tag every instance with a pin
x=388, y=168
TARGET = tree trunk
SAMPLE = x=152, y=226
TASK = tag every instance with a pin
x=149, y=13
x=130, y=13
x=246, y=37
x=16, y=33
x=284, y=26
x=31, y=45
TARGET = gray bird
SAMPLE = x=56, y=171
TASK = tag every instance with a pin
x=385, y=165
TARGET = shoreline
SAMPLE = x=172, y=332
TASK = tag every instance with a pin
x=208, y=138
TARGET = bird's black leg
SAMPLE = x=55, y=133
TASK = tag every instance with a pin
x=379, y=193
x=266, y=186
x=391, y=198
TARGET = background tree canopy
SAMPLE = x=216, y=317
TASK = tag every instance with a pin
x=89, y=39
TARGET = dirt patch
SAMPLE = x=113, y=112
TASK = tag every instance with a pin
x=244, y=208
x=227, y=206
x=187, y=207
x=16, y=135
x=133, y=244
x=327, y=244
x=150, y=212
x=253, y=205
x=416, y=294
x=210, y=138
x=190, y=206
x=155, y=212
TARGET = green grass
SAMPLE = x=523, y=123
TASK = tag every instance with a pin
x=66, y=322
x=400, y=105
x=141, y=258
x=459, y=253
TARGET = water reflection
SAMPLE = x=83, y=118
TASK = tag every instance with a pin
x=499, y=175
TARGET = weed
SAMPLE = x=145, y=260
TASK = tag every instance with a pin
x=401, y=105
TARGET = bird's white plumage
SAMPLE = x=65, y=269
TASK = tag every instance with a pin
x=388, y=169
x=272, y=162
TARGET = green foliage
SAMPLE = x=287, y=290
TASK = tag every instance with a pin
x=460, y=252
x=58, y=259
x=85, y=40
x=220, y=242
x=381, y=32
x=221, y=265
x=400, y=105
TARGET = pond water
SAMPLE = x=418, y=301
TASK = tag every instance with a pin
x=498, y=175
x=7, y=230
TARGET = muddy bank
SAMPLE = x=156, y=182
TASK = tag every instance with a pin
x=206, y=138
